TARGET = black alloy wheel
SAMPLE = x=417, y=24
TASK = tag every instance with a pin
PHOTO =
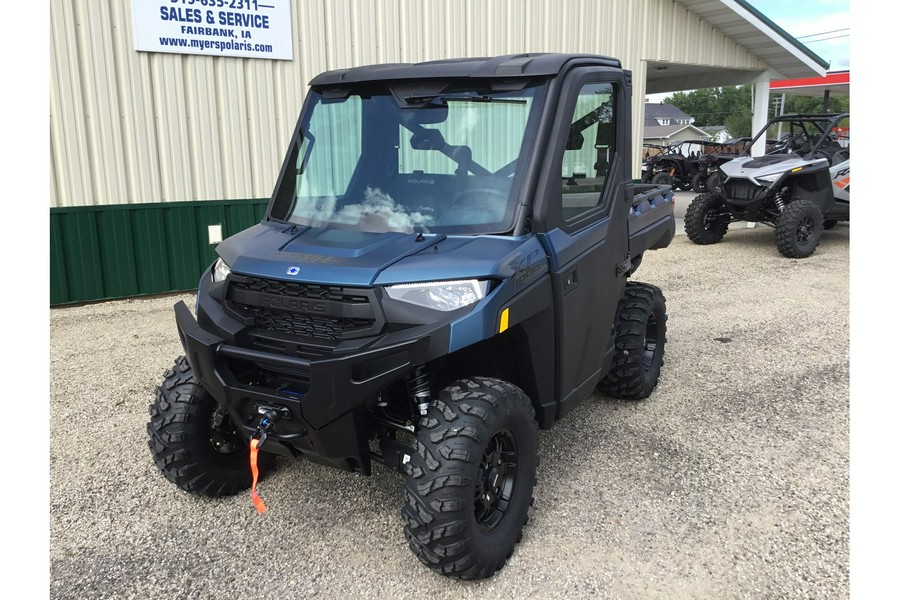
x=470, y=478
x=497, y=474
x=798, y=229
x=194, y=442
x=804, y=230
x=651, y=338
x=223, y=435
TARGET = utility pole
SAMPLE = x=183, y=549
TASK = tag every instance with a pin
x=780, y=112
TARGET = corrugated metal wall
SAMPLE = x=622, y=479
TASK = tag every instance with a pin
x=128, y=250
x=132, y=127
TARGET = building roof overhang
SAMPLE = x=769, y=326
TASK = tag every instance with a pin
x=785, y=56
x=836, y=83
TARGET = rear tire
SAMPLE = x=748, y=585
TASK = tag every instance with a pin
x=663, y=179
x=798, y=229
x=469, y=483
x=193, y=442
x=706, y=219
x=640, y=343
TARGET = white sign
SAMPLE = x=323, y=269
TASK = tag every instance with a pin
x=246, y=28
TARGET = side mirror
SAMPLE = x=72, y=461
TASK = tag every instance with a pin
x=575, y=140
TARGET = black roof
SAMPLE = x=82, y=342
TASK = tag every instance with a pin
x=511, y=65
x=663, y=111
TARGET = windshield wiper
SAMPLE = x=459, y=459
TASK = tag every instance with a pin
x=430, y=98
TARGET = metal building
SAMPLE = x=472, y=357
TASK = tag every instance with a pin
x=139, y=138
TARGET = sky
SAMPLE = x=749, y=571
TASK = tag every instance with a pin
x=811, y=22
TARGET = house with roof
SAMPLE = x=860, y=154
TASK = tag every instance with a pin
x=665, y=123
x=718, y=133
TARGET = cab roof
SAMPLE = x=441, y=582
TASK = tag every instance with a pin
x=511, y=65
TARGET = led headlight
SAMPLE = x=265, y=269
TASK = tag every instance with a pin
x=220, y=270
x=440, y=295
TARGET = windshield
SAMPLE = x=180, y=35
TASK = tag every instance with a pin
x=382, y=159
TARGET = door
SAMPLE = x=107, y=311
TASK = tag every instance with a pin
x=584, y=214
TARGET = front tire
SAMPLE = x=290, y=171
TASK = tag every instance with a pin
x=193, y=442
x=640, y=343
x=798, y=229
x=706, y=219
x=469, y=483
x=714, y=182
x=698, y=183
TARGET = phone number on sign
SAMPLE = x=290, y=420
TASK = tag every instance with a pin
x=233, y=4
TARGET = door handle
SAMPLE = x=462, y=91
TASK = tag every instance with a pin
x=570, y=280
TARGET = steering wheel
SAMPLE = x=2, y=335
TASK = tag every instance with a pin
x=489, y=196
x=486, y=204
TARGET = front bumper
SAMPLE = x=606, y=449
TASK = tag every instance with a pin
x=325, y=416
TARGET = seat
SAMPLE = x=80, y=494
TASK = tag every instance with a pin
x=840, y=156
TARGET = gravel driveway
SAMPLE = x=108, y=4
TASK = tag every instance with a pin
x=730, y=481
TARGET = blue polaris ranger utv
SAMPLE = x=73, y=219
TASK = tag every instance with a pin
x=443, y=269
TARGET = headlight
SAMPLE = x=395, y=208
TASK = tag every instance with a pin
x=440, y=295
x=771, y=178
x=220, y=270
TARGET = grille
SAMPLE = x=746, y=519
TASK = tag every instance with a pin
x=297, y=290
x=741, y=190
x=314, y=314
x=304, y=325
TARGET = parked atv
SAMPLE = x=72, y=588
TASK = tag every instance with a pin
x=800, y=187
x=443, y=269
x=679, y=165
x=708, y=177
x=650, y=151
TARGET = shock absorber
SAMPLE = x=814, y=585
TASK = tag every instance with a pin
x=420, y=390
x=779, y=202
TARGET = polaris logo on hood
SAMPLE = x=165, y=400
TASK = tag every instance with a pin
x=293, y=271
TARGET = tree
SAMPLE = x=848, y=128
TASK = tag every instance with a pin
x=731, y=106
x=739, y=125
x=700, y=104
x=816, y=104
x=713, y=106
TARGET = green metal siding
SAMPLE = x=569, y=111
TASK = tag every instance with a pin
x=122, y=250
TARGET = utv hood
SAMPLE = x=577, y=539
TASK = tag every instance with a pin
x=754, y=167
x=319, y=255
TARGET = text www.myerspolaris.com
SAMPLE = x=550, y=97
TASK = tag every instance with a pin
x=214, y=45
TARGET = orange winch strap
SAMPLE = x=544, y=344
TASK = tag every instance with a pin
x=257, y=501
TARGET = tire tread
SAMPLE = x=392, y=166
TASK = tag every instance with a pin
x=176, y=420
x=694, y=216
x=438, y=526
x=626, y=378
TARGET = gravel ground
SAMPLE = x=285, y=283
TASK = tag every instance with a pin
x=730, y=481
